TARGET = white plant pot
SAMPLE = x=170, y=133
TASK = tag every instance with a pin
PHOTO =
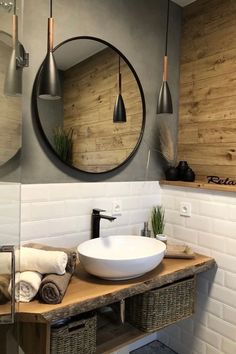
x=161, y=237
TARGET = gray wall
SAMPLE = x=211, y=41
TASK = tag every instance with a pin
x=137, y=29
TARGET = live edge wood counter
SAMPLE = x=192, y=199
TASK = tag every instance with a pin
x=86, y=292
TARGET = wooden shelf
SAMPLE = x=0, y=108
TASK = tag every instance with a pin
x=199, y=185
x=86, y=293
x=111, y=337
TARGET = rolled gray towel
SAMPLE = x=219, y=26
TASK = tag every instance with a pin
x=53, y=288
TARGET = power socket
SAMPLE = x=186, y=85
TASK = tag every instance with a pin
x=185, y=209
x=117, y=208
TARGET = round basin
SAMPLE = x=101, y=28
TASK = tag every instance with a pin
x=121, y=257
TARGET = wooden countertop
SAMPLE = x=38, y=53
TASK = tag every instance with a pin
x=87, y=292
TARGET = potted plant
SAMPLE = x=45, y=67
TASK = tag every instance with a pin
x=63, y=143
x=168, y=152
x=158, y=222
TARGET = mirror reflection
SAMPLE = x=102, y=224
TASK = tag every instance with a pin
x=10, y=113
x=79, y=127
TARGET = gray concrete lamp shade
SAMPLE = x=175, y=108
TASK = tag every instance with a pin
x=13, y=79
x=49, y=82
x=164, y=104
x=164, y=101
x=119, y=115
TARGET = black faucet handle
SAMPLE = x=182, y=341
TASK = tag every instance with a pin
x=97, y=211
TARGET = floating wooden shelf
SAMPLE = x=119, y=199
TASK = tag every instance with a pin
x=199, y=185
x=86, y=293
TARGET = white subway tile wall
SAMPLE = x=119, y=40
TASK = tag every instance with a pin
x=9, y=213
x=210, y=230
x=60, y=214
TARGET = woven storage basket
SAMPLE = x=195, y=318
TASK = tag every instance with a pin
x=161, y=307
x=76, y=337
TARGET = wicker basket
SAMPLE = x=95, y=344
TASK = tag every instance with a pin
x=78, y=336
x=161, y=307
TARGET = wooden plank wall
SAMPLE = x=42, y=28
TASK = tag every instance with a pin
x=90, y=90
x=10, y=113
x=207, y=117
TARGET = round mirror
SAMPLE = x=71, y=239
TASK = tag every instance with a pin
x=79, y=127
x=10, y=114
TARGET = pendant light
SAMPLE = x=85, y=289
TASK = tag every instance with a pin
x=119, y=114
x=165, y=101
x=49, y=84
x=18, y=60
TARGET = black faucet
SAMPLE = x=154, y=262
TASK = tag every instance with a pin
x=96, y=217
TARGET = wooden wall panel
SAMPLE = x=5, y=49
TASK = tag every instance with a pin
x=90, y=90
x=207, y=115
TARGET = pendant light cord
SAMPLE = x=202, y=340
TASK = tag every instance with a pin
x=50, y=8
x=167, y=26
x=119, y=77
x=14, y=8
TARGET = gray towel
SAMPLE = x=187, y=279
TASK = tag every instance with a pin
x=53, y=288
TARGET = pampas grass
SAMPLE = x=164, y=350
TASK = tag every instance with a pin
x=167, y=144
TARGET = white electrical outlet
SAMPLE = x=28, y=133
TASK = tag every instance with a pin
x=185, y=209
x=116, y=207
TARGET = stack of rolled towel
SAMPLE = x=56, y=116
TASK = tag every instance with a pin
x=43, y=270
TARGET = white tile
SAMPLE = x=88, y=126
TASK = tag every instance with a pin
x=144, y=188
x=26, y=212
x=221, y=293
x=215, y=210
x=225, y=261
x=34, y=230
x=224, y=228
x=46, y=211
x=211, y=241
x=168, y=201
x=184, y=234
x=212, y=350
x=230, y=246
x=230, y=281
x=232, y=212
x=117, y=189
x=229, y=314
x=200, y=223
x=63, y=226
x=78, y=207
x=35, y=192
x=207, y=335
x=228, y=346
x=222, y=327
x=173, y=216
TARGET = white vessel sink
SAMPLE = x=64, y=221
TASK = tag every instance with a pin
x=121, y=257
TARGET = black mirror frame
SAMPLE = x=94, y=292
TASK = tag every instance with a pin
x=36, y=114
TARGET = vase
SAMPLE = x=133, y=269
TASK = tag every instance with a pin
x=182, y=168
x=189, y=175
x=171, y=174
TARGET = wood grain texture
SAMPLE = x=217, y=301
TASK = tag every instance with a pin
x=87, y=292
x=90, y=90
x=199, y=185
x=10, y=114
x=207, y=115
